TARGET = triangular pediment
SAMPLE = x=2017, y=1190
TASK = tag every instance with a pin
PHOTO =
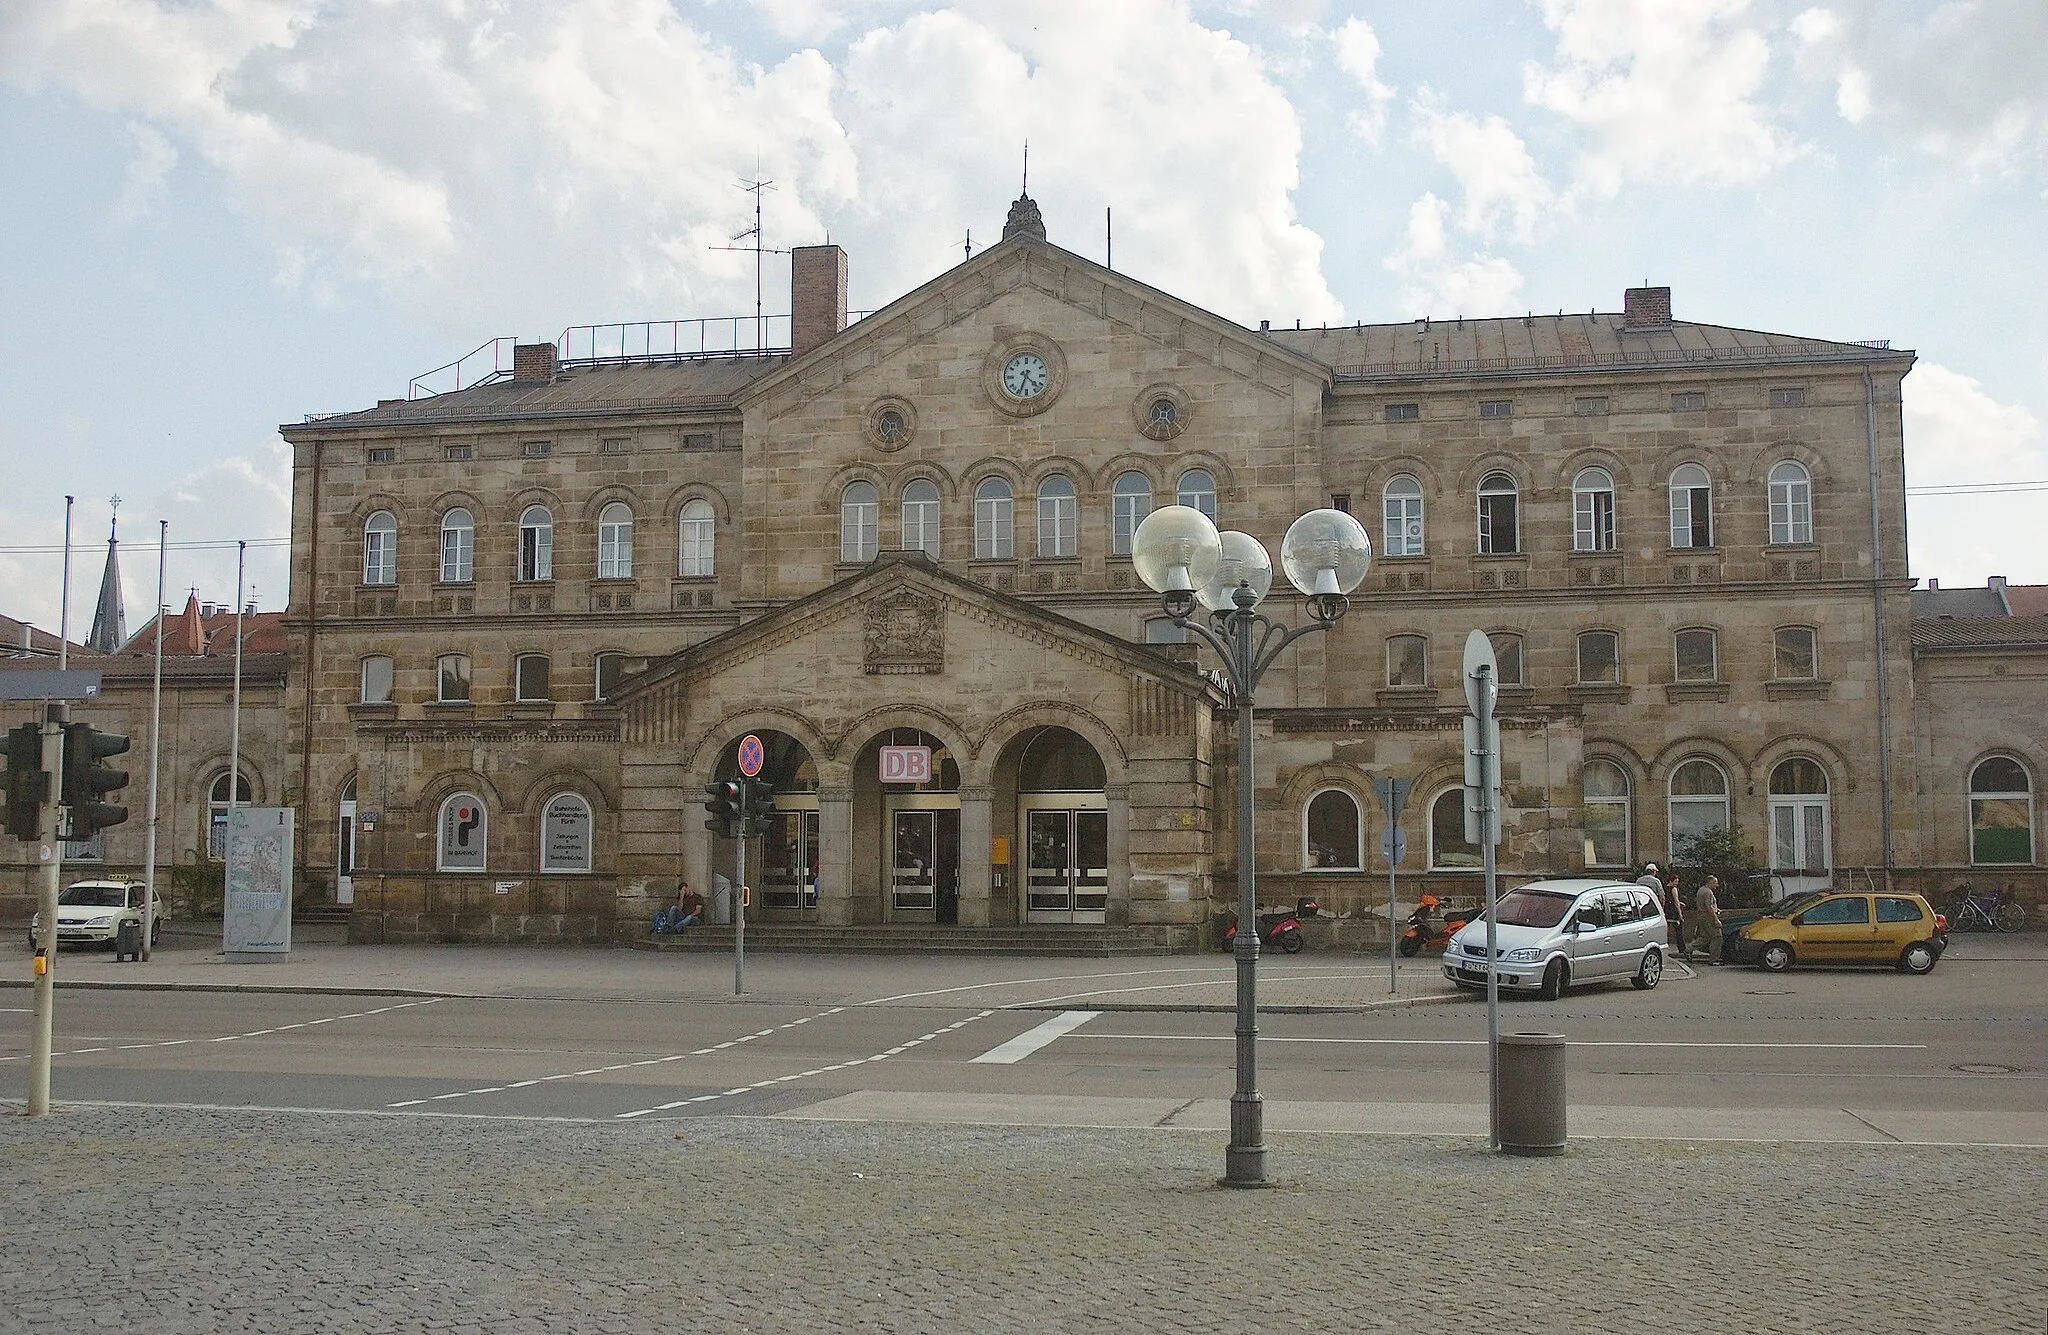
x=1023, y=262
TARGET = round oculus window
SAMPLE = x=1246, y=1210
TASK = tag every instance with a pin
x=1163, y=414
x=891, y=427
x=1024, y=376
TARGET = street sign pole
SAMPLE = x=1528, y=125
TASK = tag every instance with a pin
x=752, y=755
x=50, y=853
x=1393, y=797
x=1481, y=685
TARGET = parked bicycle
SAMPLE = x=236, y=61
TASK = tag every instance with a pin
x=1969, y=911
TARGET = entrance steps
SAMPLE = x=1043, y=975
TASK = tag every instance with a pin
x=918, y=939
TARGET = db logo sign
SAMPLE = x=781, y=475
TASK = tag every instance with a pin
x=906, y=764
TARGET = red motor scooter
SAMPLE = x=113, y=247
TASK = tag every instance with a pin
x=1423, y=931
x=1279, y=929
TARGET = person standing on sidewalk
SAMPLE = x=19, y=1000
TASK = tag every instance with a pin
x=1707, y=914
x=1674, y=917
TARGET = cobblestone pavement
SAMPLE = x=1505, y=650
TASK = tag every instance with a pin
x=173, y=1220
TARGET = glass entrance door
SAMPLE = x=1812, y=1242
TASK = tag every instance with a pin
x=924, y=864
x=345, y=861
x=789, y=865
x=1067, y=868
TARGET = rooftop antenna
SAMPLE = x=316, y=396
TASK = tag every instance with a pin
x=756, y=188
x=967, y=246
x=1108, y=240
x=1026, y=189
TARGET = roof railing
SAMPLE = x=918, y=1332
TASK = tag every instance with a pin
x=465, y=372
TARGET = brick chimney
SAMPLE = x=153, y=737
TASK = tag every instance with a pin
x=1646, y=308
x=533, y=361
x=817, y=296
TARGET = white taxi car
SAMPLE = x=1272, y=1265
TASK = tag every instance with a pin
x=89, y=913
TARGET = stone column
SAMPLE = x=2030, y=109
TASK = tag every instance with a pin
x=835, y=857
x=1119, y=912
x=977, y=826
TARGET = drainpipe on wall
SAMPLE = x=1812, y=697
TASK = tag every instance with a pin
x=305, y=840
x=1884, y=718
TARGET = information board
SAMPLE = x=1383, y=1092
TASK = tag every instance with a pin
x=257, y=917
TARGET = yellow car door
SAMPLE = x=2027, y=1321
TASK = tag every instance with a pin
x=1900, y=922
x=1836, y=930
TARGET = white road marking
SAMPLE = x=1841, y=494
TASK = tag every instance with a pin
x=1480, y=1042
x=230, y=1038
x=802, y=1075
x=1031, y=1040
x=620, y=1066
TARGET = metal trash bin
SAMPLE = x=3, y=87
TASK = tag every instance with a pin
x=1531, y=1090
x=128, y=942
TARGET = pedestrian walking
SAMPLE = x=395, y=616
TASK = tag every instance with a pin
x=1650, y=879
x=1674, y=918
x=1707, y=917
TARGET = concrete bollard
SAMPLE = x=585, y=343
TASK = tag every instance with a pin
x=1532, y=1100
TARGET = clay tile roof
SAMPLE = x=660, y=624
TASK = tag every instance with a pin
x=1946, y=632
x=2028, y=600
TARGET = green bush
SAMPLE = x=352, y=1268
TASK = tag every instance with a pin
x=197, y=889
x=1718, y=852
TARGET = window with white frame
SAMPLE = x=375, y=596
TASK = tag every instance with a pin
x=1695, y=652
x=217, y=813
x=1507, y=657
x=1698, y=801
x=1401, y=513
x=1448, y=847
x=380, y=548
x=696, y=540
x=921, y=517
x=451, y=672
x=995, y=520
x=1791, y=505
x=1599, y=658
x=1500, y=531
x=1605, y=817
x=1799, y=809
x=610, y=666
x=1130, y=500
x=1407, y=660
x=1058, y=517
x=615, y=541
x=2001, y=813
x=530, y=677
x=860, y=523
x=1593, y=511
x=458, y=547
x=376, y=680
x=1332, y=832
x=1692, y=507
x=536, y=544
x=1197, y=490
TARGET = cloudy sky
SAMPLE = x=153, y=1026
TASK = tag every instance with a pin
x=225, y=214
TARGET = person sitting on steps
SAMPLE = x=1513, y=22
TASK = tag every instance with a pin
x=687, y=911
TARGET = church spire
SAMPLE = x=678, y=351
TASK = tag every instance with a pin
x=109, y=624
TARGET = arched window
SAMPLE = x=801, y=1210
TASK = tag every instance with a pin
x=380, y=549
x=615, y=541
x=1401, y=510
x=995, y=521
x=2001, y=813
x=452, y=674
x=1599, y=658
x=1695, y=657
x=1197, y=490
x=458, y=547
x=696, y=540
x=376, y=680
x=1692, y=507
x=1448, y=849
x=536, y=544
x=1333, y=834
x=860, y=523
x=1605, y=817
x=1698, y=801
x=1799, y=816
x=921, y=518
x=1593, y=511
x=464, y=829
x=565, y=833
x=1500, y=532
x=1130, y=500
x=1507, y=656
x=1059, y=517
x=217, y=813
x=1407, y=660
x=530, y=676
x=1791, y=505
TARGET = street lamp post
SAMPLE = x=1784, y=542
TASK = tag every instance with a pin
x=1179, y=554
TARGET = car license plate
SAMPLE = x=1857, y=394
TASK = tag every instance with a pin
x=1477, y=966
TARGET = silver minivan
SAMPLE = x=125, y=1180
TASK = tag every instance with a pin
x=1557, y=934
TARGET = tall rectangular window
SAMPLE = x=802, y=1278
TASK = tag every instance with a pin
x=995, y=523
x=1599, y=658
x=1695, y=654
x=1792, y=654
x=376, y=680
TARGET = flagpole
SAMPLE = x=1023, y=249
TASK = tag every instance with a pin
x=156, y=714
x=227, y=872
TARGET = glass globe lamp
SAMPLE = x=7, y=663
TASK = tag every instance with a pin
x=1326, y=554
x=1244, y=562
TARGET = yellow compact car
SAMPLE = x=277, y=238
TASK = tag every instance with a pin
x=1832, y=927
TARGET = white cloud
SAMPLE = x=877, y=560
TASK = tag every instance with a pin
x=143, y=183
x=1358, y=55
x=1660, y=91
x=1499, y=179
x=1435, y=282
x=1957, y=433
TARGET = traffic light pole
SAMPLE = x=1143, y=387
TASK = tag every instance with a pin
x=739, y=902
x=50, y=853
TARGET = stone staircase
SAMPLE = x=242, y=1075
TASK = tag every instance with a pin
x=916, y=939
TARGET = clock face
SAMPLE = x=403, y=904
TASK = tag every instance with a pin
x=1024, y=375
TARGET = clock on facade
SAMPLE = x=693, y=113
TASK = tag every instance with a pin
x=1024, y=376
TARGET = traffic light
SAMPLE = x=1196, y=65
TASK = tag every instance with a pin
x=86, y=781
x=760, y=805
x=28, y=785
x=723, y=807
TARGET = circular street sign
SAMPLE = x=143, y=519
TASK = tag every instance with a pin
x=751, y=756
